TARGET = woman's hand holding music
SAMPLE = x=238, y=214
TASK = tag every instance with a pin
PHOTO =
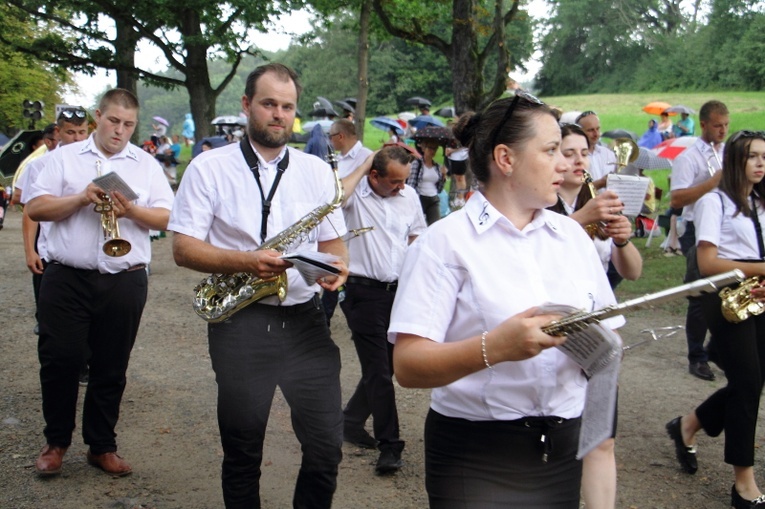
x=619, y=229
x=604, y=207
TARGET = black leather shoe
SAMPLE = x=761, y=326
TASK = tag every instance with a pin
x=701, y=370
x=686, y=455
x=359, y=437
x=738, y=502
x=389, y=461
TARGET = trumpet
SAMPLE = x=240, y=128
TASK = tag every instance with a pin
x=114, y=245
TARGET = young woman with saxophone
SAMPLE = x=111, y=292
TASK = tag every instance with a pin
x=499, y=434
x=729, y=236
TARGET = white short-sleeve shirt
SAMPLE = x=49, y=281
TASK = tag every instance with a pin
x=602, y=162
x=77, y=241
x=219, y=202
x=733, y=234
x=379, y=254
x=471, y=271
x=24, y=182
x=352, y=159
x=691, y=168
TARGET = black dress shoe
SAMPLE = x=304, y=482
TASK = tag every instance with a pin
x=738, y=502
x=389, y=460
x=686, y=455
x=701, y=370
x=359, y=437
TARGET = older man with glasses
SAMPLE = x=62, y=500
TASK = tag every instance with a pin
x=602, y=159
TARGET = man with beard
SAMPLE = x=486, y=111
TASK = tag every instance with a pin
x=229, y=202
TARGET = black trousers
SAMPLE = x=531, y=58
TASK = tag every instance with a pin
x=86, y=317
x=367, y=310
x=431, y=207
x=739, y=349
x=695, y=318
x=500, y=464
x=256, y=350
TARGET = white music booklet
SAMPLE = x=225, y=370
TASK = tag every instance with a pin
x=313, y=264
x=631, y=190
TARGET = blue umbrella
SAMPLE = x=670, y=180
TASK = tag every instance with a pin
x=215, y=141
x=424, y=121
x=386, y=124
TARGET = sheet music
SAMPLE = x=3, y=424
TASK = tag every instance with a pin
x=113, y=182
x=313, y=264
x=631, y=191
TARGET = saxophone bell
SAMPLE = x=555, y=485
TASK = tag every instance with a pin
x=737, y=304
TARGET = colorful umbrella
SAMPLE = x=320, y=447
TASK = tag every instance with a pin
x=656, y=107
x=673, y=147
x=386, y=124
x=161, y=121
x=424, y=121
x=441, y=135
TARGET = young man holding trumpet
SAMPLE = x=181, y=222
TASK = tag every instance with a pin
x=94, y=289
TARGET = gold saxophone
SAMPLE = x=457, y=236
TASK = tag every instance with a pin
x=737, y=303
x=219, y=296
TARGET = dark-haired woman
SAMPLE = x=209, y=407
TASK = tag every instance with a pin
x=427, y=178
x=499, y=434
x=612, y=232
x=729, y=236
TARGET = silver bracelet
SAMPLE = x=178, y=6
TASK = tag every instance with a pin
x=483, y=350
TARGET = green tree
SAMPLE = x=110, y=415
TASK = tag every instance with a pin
x=468, y=33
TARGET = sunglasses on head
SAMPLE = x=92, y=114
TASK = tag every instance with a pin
x=746, y=134
x=519, y=95
x=584, y=114
x=69, y=114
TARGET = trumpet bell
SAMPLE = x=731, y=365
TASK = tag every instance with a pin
x=626, y=150
x=117, y=247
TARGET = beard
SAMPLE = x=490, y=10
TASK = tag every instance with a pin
x=261, y=135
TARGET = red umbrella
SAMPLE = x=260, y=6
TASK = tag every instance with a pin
x=673, y=147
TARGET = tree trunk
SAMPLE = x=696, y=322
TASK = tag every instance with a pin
x=124, y=51
x=201, y=94
x=467, y=78
x=363, y=64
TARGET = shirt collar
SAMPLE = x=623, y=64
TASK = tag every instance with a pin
x=483, y=216
x=271, y=163
x=129, y=152
x=352, y=152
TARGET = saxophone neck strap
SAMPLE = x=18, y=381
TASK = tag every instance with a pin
x=254, y=164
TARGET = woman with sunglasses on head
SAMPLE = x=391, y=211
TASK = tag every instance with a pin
x=427, y=177
x=503, y=427
x=729, y=236
x=610, y=232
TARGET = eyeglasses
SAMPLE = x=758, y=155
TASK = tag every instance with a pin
x=69, y=114
x=584, y=114
x=746, y=134
x=519, y=94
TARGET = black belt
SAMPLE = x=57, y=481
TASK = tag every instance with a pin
x=140, y=266
x=365, y=281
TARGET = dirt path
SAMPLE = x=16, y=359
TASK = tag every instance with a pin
x=168, y=430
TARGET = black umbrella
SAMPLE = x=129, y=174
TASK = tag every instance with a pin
x=323, y=112
x=620, y=133
x=215, y=141
x=346, y=106
x=352, y=101
x=441, y=135
x=418, y=101
x=15, y=151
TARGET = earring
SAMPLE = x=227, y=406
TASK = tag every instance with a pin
x=508, y=173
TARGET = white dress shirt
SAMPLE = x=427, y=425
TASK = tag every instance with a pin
x=733, y=234
x=77, y=241
x=691, y=168
x=24, y=182
x=352, y=159
x=474, y=269
x=379, y=254
x=602, y=162
x=219, y=202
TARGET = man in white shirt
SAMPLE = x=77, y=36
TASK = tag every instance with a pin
x=91, y=300
x=377, y=195
x=71, y=127
x=343, y=138
x=229, y=202
x=696, y=172
x=602, y=159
